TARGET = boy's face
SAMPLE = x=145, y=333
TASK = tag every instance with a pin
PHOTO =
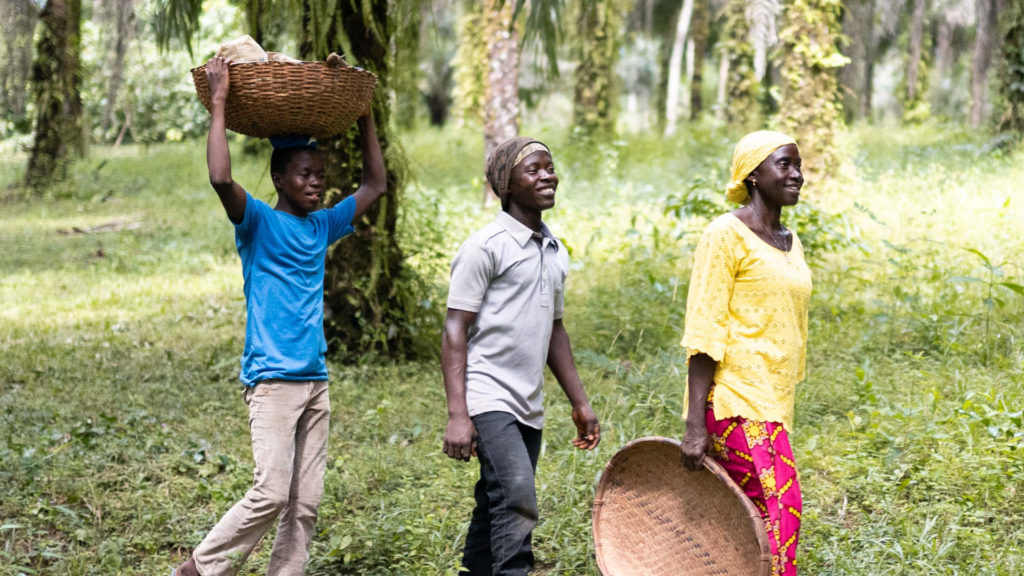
x=301, y=186
x=533, y=182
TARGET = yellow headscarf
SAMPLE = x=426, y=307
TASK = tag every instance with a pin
x=751, y=150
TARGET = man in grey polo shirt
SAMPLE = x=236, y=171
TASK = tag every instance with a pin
x=504, y=323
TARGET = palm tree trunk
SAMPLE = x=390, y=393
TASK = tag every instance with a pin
x=981, y=58
x=722, y=94
x=811, y=109
x=943, y=53
x=914, y=59
x=869, y=63
x=501, y=102
x=675, y=64
x=744, y=94
x=593, y=89
x=470, y=66
x=18, y=19
x=1011, y=72
x=699, y=34
x=760, y=15
x=120, y=15
x=254, y=18
x=363, y=303
x=57, y=91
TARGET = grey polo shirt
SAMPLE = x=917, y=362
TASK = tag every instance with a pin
x=514, y=280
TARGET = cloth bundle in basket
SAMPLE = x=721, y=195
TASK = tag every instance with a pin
x=284, y=97
x=652, y=517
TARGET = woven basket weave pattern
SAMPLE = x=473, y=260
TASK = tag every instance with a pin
x=652, y=517
x=283, y=99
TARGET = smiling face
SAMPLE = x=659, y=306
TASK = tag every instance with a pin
x=779, y=177
x=300, y=186
x=532, y=185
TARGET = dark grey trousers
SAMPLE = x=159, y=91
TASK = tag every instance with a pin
x=498, y=542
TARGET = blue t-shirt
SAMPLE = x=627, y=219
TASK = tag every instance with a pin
x=283, y=266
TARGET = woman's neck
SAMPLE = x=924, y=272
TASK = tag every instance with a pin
x=765, y=214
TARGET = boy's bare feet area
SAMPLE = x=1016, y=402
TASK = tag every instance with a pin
x=187, y=568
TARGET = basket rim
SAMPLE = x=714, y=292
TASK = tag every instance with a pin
x=709, y=465
x=311, y=63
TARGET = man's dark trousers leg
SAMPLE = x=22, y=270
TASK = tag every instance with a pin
x=498, y=542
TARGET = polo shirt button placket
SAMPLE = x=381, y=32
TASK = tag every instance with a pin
x=545, y=286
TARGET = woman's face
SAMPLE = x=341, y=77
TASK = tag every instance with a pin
x=779, y=178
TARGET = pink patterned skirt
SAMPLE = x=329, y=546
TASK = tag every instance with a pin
x=758, y=458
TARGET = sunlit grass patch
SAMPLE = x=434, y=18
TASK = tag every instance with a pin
x=123, y=435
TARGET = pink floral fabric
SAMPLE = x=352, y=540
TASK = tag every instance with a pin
x=758, y=457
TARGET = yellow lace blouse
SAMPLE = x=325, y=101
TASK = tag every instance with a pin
x=747, y=309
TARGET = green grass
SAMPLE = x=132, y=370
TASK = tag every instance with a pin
x=123, y=435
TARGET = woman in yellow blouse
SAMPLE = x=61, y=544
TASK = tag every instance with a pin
x=746, y=335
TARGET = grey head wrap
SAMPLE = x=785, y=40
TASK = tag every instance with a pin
x=501, y=162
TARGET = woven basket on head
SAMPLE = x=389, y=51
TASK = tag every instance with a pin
x=652, y=517
x=284, y=99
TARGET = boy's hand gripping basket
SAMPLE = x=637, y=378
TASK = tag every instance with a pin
x=266, y=99
x=652, y=517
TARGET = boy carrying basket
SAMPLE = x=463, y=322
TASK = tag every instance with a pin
x=283, y=368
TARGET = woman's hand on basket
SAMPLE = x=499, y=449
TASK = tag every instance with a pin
x=217, y=78
x=694, y=446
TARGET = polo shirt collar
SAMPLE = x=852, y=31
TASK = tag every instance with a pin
x=522, y=233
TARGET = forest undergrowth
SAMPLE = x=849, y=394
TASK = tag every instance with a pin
x=123, y=434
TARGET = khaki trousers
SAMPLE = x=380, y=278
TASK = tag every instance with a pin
x=289, y=424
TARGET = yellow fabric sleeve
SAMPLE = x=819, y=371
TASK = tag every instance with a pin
x=711, y=285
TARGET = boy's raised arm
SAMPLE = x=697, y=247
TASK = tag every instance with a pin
x=218, y=156
x=374, y=180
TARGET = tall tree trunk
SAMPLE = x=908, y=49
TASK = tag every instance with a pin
x=944, y=55
x=254, y=18
x=851, y=77
x=501, y=102
x=119, y=16
x=761, y=21
x=1011, y=71
x=56, y=83
x=470, y=64
x=744, y=90
x=981, y=58
x=722, y=93
x=593, y=88
x=811, y=107
x=675, y=64
x=688, y=68
x=870, y=48
x=406, y=73
x=914, y=59
x=699, y=34
x=438, y=53
x=364, y=303
x=18, y=19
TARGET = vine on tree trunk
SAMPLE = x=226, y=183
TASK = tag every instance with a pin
x=810, y=109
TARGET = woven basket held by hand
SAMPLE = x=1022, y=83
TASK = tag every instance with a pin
x=284, y=99
x=652, y=517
